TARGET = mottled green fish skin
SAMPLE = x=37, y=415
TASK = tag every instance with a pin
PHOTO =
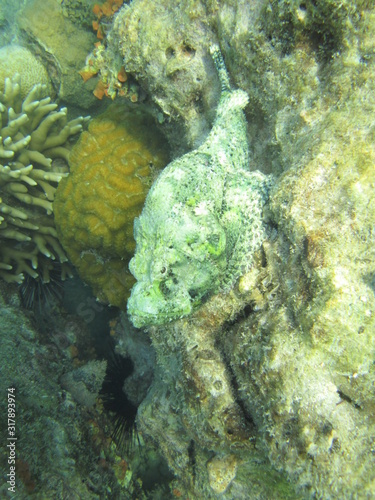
x=202, y=220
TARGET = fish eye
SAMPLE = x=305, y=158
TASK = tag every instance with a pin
x=163, y=269
x=163, y=287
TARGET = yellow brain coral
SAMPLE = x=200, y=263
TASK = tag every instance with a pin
x=112, y=167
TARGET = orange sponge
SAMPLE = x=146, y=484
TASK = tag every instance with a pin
x=112, y=167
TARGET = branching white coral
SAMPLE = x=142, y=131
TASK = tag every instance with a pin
x=33, y=159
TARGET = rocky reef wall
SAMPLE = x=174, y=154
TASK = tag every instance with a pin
x=278, y=374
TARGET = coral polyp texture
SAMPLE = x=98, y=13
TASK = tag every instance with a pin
x=33, y=160
x=202, y=220
x=112, y=168
x=16, y=59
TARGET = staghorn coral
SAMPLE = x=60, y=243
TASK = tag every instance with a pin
x=112, y=167
x=33, y=134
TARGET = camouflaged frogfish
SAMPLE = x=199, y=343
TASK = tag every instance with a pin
x=202, y=219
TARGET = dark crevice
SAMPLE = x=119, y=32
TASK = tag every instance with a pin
x=348, y=399
x=248, y=420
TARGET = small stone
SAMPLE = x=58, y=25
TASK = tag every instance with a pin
x=221, y=472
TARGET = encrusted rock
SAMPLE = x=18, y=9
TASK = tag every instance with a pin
x=85, y=382
x=221, y=472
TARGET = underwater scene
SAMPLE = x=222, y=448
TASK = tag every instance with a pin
x=187, y=249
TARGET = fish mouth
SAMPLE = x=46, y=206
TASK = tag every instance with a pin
x=148, y=305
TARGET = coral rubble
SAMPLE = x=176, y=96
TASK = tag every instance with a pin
x=33, y=160
x=112, y=167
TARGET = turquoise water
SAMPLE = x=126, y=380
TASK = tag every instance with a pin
x=251, y=375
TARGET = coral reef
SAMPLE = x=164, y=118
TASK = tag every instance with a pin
x=112, y=168
x=268, y=388
x=45, y=442
x=294, y=60
x=63, y=447
x=33, y=159
x=16, y=59
x=62, y=47
x=202, y=220
x=275, y=51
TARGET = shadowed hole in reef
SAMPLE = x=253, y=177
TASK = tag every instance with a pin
x=121, y=410
x=248, y=420
x=170, y=52
x=188, y=50
x=150, y=467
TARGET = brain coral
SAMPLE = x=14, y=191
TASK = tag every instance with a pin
x=112, y=167
x=16, y=59
x=33, y=159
